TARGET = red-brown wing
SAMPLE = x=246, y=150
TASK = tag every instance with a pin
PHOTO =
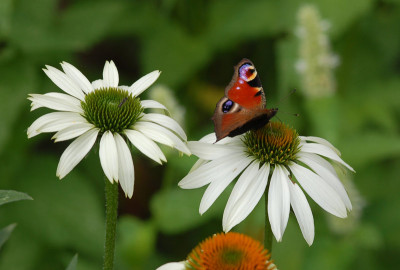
x=243, y=106
x=245, y=87
x=238, y=119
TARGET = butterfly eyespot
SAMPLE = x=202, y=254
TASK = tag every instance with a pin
x=227, y=106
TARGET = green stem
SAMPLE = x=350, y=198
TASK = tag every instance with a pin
x=111, y=192
x=268, y=231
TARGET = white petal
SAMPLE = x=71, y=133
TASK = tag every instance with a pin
x=245, y=195
x=110, y=75
x=213, y=151
x=75, y=152
x=322, y=193
x=152, y=104
x=212, y=170
x=62, y=123
x=64, y=82
x=109, y=156
x=143, y=83
x=77, y=77
x=173, y=266
x=222, y=180
x=162, y=135
x=124, y=87
x=145, y=145
x=165, y=121
x=198, y=164
x=212, y=138
x=320, y=141
x=55, y=101
x=209, y=138
x=302, y=211
x=278, y=201
x=323, y=150
x=126, y=173
x=72, y=131
x=34, y=129
x=323, y=168
x=98, y=84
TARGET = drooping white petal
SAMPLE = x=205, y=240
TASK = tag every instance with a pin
x=55, y=101
x=278, y=201
x=221, y=181
x=98, y=84
x=34, y=129
x=323, y=150
x=215, y=169
x=245, y=196
x=302, y=211
x=322, y=193
x=145, y=145
x=72, y=131
x=126, y=173
x=76, y=151
x=320, y=141
x=109, y=156
x=173, y=266
x=64, y=82
x=165, y=121
x=77, y=77
x=152, y=104
x=110, y=75
x=143, y=83
x=198, y=164
x=162, y=135
x=62, y=123
x=212, y=151
x=321, y=167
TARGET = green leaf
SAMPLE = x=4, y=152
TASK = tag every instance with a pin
x=65, y=215
x=5, y=233
x=73, y=263
x=7, y=196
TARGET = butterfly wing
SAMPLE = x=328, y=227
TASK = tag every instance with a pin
x=243, y=106
x=245, y=87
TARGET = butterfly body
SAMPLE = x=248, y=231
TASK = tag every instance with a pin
x=243, y=106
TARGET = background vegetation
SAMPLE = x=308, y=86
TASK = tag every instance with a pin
x=195, y=44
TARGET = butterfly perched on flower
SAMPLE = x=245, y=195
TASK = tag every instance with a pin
x=244, y=105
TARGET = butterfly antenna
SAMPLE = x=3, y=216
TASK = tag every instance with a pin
x=291, y=114
x=287, y=96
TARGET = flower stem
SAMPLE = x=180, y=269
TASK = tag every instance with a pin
x=267, y=231
x=111, y=193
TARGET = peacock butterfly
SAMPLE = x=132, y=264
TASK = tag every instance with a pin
x=243, y=106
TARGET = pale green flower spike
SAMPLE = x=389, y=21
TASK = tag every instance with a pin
x=317, y=62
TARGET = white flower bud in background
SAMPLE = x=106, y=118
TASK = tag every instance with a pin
x=316, y=61
x=164, y=95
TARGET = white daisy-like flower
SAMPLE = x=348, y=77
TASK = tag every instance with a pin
x=106, y=111
x=274, y=158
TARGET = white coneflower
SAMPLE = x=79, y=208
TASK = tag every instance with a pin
x=106, y=111
x=226, y=252
x=275, y=157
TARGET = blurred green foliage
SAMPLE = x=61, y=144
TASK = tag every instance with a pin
x=195, y=44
